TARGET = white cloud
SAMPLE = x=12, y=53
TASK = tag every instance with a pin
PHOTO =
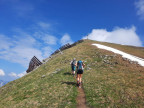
x=140, y=8
x=2, y=73
x=12, y=74
x=21, y=74
x=47, y=51
x=4, y=42
x=23, y=49
x=126, y=36
x=66, y=39
x=44, y=25
x=46, y=37
x=21, y=55
x=21, y=46
x=49, y=39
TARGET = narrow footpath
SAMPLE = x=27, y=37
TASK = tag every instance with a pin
x=81, y=100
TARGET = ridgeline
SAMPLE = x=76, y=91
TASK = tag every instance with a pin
x=108, y=80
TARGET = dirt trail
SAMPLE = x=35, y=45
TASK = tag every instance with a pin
x=81, y=100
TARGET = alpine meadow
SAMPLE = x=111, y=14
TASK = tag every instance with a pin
x=109, y=80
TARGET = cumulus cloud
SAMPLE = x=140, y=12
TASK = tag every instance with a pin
x=66, y=39
x=140, y=8
x=20, y=49
x=49, y=39
x=12, y=74
x=125, y=36
x=2, y=73
x=22, y=46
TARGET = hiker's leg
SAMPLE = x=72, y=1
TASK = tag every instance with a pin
x=73, y=72
x=80, y=79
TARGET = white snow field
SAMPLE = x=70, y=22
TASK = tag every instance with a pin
x=124, y=55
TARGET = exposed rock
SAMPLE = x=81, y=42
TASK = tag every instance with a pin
x=111, y=67
x=61, y=52
x=133, y=62
x=101, y=56
x=58, y=70
x=116, y=62
x=42, y=76
x=34, y=64
x=125, y=59
x=88, y=68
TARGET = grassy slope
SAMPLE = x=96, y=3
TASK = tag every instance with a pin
x=105, y=85
x=33, y=91
x=113, y=85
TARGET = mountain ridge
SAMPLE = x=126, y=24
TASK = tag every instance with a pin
x=108, y=80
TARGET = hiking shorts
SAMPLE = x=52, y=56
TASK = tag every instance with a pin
x=73, y=68
x=80, y=71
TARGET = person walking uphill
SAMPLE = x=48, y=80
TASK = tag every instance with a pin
x=80, y=69
x=73, y=66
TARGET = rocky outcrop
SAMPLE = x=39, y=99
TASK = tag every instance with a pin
x=34, y=63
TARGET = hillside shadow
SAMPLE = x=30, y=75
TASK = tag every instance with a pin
x=67, y=73
x=69, y=83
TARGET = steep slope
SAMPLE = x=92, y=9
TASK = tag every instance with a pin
x=108, y=80
x=2, y=83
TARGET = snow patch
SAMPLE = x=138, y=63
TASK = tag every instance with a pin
x=124, y=55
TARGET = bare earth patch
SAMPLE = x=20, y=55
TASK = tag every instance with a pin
x=81, y=100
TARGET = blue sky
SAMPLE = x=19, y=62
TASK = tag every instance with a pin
x=39, y=27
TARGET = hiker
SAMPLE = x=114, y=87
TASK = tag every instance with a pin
x=80, y=68
x=73, y=66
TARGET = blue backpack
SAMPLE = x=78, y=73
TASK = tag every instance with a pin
x=80, y=64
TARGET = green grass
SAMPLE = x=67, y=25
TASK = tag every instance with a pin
x=55, y=90
x=118, y=84
x=31, y=91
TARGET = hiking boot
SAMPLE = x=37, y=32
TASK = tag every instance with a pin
x=77, y=84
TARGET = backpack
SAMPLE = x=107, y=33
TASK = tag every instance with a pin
x=80, y=65
x=73, y=63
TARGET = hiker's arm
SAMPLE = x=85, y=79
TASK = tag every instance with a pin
x=76, y=64
x=83, y=65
